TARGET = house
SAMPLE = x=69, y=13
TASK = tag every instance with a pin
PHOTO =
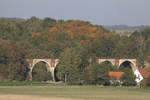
x=116, y=75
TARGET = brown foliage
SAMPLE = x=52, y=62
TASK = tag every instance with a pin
x=36, y=34
x=82, y=42
x=11, y=60
x=77, y=28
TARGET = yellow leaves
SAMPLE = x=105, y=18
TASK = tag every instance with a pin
x=99, y=31
x=82, y=42
x=50, y=39
x=76, y=28
x=77, y=23
x=91, y=29
x=52, y=29
x=71, y=35
x=93, y=35
x=36, y=34
x=57, y=27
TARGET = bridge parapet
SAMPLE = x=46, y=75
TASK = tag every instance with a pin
x=112, y=61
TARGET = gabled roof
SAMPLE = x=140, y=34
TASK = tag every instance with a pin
x=117, y=75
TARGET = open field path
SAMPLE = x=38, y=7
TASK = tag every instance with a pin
x=28, y=97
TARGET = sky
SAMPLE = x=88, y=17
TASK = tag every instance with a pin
x=101, y=12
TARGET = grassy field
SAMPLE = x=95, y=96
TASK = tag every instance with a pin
x=72, y=93
x=24, y=83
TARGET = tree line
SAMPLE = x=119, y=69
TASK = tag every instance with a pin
x=77, y=43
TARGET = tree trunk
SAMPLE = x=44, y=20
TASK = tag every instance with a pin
x=65, y=78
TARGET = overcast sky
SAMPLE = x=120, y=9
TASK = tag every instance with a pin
x=102, y=12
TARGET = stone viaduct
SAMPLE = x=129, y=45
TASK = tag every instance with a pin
x=52, y=63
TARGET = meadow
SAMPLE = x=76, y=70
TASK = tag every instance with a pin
x=72, y=93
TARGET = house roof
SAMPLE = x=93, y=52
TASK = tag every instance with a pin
x=117, y=75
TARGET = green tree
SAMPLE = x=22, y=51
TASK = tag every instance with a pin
x=69, y=65
x=48, y=23
x=98, y=74
x=128, y=78
x=148, y=79
x=9, y=29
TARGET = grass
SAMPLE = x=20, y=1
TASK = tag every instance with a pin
x=79, y=92
x=22, y=83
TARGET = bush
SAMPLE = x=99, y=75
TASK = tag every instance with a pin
x=148, y=81
x=128, y=78
x=98, y=74
x=143, y=83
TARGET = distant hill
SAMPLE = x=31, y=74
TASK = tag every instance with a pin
x=14, y=19
x=125, y=27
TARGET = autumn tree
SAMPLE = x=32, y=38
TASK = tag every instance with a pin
x=12, y=61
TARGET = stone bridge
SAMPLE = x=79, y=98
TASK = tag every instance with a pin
x=119, y=62
x=52, y=63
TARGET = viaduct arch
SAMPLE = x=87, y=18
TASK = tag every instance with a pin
x=52, y=63
x=118, y=62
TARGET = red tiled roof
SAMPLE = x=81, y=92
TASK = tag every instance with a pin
x=117, y=75
x=144, y=72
